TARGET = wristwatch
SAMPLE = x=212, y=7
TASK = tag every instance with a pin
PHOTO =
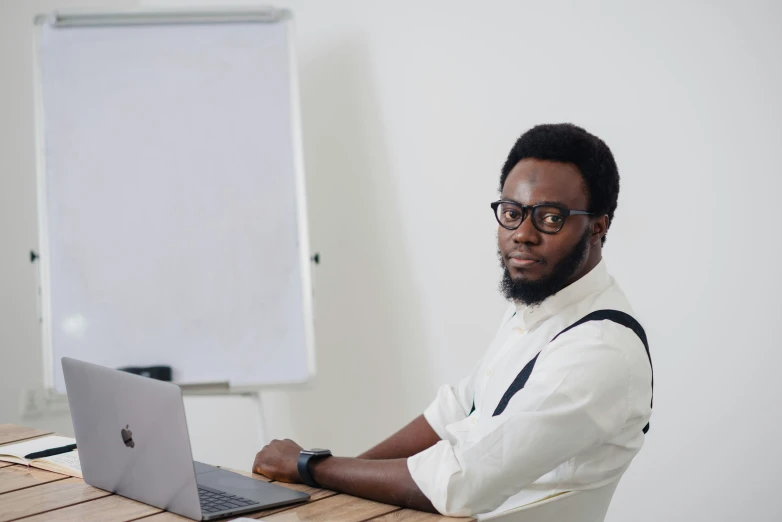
x=303, y=464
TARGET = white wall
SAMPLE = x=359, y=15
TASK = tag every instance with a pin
x=409, y=109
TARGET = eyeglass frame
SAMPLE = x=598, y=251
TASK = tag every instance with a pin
x=528, y=210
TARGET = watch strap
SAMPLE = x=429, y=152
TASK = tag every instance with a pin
x=303, y=466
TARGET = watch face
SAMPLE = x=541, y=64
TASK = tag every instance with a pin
x=317, y=451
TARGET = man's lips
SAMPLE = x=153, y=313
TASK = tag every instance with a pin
x=522, y=260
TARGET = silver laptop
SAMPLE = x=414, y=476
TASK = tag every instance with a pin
x=132, y=438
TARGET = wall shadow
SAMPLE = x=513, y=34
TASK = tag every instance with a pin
x=368, y=318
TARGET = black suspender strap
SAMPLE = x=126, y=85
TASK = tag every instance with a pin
x=600, y=315
x=517, y=384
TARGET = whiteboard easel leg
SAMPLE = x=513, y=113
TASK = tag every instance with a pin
x=261, y=418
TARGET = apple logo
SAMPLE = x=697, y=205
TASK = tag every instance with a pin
x=127, y=437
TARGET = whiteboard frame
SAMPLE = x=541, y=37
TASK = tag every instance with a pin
x=82, y=18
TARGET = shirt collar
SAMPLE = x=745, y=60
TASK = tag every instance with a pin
x=595, y=280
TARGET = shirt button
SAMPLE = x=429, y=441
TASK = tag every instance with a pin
x=489, y=372
x=519, y=330
x=473, y=420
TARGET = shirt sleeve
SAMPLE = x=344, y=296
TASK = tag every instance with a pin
x=576, y=397
x=452, y=404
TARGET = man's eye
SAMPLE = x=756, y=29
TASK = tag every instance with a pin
x=552, y=219
x=511, y=215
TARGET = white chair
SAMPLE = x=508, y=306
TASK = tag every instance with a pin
x=573, y=506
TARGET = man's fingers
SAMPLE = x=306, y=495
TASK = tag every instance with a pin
x=257, y=463
x=256, y=466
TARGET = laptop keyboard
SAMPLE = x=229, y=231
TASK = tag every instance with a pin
x=213, y=501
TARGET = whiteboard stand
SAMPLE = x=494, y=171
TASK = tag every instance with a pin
x=222, y=389
x=261, y=418
x=239, y=17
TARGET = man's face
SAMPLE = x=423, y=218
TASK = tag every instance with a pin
x=537, y=264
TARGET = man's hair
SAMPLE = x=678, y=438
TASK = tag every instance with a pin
x=567, y=143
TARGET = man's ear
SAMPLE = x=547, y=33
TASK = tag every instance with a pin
x=599, y=228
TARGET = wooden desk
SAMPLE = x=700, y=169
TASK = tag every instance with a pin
x=34, y=495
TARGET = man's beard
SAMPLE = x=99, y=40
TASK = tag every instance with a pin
x=535, y=292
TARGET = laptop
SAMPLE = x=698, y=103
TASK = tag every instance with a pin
x=132, y=440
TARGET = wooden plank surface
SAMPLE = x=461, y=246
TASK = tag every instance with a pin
x=339, y=507
x=20, y=477
x=171, y=517
x=164, y=517
x=411, y=515
x=10, y=433
x=46, y=497
x=113, y=508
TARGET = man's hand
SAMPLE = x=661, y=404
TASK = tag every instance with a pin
x=278, y=461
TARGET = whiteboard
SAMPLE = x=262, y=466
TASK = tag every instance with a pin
x=173, y=226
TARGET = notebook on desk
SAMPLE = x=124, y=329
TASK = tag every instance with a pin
x=64, y=463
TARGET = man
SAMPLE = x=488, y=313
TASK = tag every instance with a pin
x=548, y=408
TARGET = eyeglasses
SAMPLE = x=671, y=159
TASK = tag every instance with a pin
x=549, y=218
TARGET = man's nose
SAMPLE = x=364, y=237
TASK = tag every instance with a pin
x=526, y=233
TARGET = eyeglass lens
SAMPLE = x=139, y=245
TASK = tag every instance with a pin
x=545, y=218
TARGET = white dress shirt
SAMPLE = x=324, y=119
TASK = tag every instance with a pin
x=575, y=425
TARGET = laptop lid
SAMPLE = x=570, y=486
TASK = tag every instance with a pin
x=132, y=436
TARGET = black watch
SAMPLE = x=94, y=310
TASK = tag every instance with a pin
x=303, y=464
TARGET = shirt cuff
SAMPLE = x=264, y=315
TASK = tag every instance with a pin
x=444, y=410
x=431, y=471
